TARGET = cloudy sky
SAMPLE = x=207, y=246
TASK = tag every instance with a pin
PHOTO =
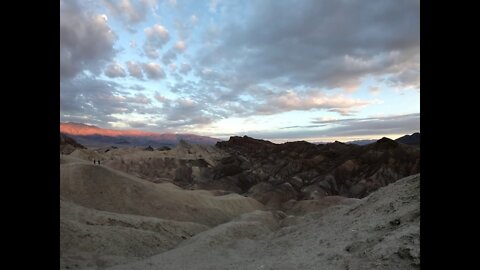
x=283, y=70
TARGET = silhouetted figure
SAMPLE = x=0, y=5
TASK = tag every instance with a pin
x=98, y=162
x=94, y=161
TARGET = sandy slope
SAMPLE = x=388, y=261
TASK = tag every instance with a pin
x=108, y=217
x=104, y=188
x=380, y=231
x=155, y=166
x=210, y=154
x=92, y=238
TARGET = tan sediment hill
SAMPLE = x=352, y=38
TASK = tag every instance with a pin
x=109, y=217
x=182, y=165
x=104, y=188
x=93, y=238
x=380, y=231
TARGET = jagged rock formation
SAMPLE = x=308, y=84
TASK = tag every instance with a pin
x=301, y=170
x=413, y=139
x=149, y=148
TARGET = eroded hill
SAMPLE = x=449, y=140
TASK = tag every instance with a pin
x=380, y=231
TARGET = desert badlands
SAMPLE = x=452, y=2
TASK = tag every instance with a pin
x=240, y=204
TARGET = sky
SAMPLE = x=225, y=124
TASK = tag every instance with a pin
x=281, y=70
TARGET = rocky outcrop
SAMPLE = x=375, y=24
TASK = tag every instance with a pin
x=68, y=145
x=314, y=171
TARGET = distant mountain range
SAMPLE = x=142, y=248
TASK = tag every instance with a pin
x=413, y=139
x=94, y=136
x=362, y=142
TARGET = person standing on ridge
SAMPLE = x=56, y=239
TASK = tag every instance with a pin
x=94, y=162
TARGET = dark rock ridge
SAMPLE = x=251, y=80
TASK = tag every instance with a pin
x=413, y=139
x=149, y=148
x=303, y=171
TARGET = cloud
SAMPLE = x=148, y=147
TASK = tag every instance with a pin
x=347, y=128
x=398, y=124
x=130, y=12
x=352, y=120
x=137, y=87
x=405, y=78
x=156, y=37
x=139, y=99
x=157, y=34
x=193, y=19
x=172, y=2
x=169, y=56
x=224, y=103
x=374, y=90
x=115, y=70
x=185, y=68
x=88, y=99
x=161, y=98
x=181, y=113
x=184, y=111
x=212, y=6
x=173, y=52
x=180, y=46
x=323, y=44
x=137, y=124
x=153, y=71
x=99, y=101
x=254, y=64
x=134, y=69
x=86, y=40
x=295, y=100
x=309, y=126
x=92, y=98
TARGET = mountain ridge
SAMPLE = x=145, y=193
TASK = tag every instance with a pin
x=90, y=135
x=413, y=139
